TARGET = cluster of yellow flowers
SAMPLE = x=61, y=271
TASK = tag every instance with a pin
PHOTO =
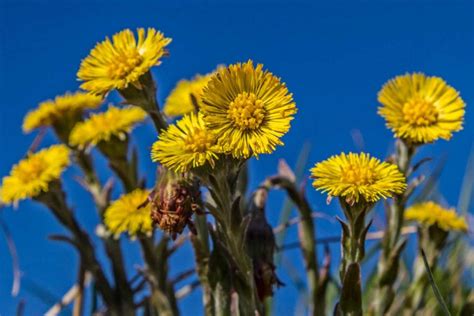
x=240, y=111
x=243, y=111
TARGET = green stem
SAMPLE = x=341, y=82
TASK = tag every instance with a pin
x=308, y=245
x=392, y=243
x=163, y=297
x=202, y=255
x=353, y=249
x=112, y=247
x=144, y=96
x=55, y=201
x=231, y=233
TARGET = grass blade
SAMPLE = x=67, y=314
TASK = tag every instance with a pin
x=440, y=299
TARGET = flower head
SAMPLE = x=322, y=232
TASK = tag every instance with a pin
x=358, y=176
x=115, y=122
x=248, y=107
x=430, y=213
x=116, y=63
x=186, y=96
x=421, y=109
x=185, y=145
x=129, y=214
x=33, y=175
x=51, y=111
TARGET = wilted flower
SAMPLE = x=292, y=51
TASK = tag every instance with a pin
x=174, y=201
x=34, y=174
x=248, y=108
x=421, y=109
x=260, y=246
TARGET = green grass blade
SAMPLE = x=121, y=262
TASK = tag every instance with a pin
x=467, y=188
x=436, y=291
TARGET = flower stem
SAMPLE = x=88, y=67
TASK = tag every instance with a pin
x=230, y=233
x=307, y=235
x=144, y=96
x=392, y=244
x=55, y=201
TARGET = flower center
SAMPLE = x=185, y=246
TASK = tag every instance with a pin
x=199, y=141
x=355, y=175
x=31, y=170
x=419, y=112
x=123, y=64
x=246, y=111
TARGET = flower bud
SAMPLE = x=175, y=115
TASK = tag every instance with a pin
x=175, y=199
x=260, y=246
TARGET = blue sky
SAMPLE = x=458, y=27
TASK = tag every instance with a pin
x=333, y=55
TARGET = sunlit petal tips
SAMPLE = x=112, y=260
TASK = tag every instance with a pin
x=116, y=63
x=358, y=176
x=185, y=145
x=129, y=214
x=249, y=108
x=103, y=126
x=32, y=175
x=186, y=96
x=430, y=213
x=51, y=111
x=421, y=109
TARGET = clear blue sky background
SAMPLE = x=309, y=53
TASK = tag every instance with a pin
x=333, y=55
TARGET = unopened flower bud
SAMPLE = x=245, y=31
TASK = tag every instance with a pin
x=260, y=246
x=174, y=201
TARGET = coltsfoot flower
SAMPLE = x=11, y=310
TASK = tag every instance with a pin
x=129, y=214
x=117, y=63
x=358, y=177
x=429, y=213
x=33, y=175
x=249, y=108
x=63, y=107
x=421, y=109
x=115, y=122
x=185, y=145
x=186, y=96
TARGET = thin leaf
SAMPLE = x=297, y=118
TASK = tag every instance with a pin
x=436, y=291
x=15, y=261
x=467, y=188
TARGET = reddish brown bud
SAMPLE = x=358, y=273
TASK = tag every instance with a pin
x=174, y=201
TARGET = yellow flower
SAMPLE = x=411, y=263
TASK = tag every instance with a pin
x=103, y=126
x=51, y=111
x=249, y=108
x=126, y=215
x=421, y=109
x=186, y=96
x=185, y=145
x=116, y=64
x=32, y=175
x=356, y=176
x=430, y=213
